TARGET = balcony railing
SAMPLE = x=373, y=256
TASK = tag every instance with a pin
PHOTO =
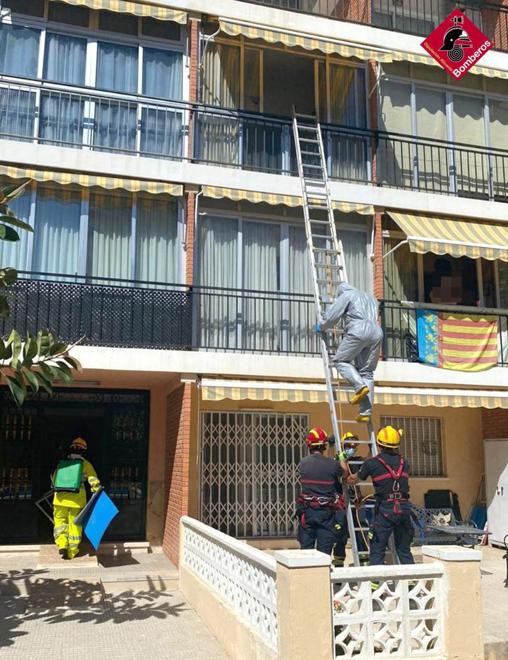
x=409, y=16
x=399, y=321
x=251, y=141
x=135, y=314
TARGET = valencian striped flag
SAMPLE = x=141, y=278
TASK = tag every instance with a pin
x=457, y=341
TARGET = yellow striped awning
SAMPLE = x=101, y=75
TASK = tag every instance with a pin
x=294, y=40
x=456, y=237
x=238, y=390
x=136, y=8
x=88, y=180
x=430, y=61
x=274, y=199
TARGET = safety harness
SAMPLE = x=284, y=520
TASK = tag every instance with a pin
x=321, y=501
x=395, y=497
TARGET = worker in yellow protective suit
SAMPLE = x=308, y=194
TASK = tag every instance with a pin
x=67, y=505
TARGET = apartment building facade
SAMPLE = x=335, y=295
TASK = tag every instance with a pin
x=168, y=235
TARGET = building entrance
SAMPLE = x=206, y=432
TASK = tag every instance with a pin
x=32, y=439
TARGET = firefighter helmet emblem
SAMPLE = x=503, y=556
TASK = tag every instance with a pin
x=456, y=40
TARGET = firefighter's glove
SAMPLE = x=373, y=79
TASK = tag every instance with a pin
x=331, y=439
x=95, y=484
x=318, y=328
x=346, y=454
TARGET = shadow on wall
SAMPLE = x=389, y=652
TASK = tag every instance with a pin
x=25, y=596
x=496, y=651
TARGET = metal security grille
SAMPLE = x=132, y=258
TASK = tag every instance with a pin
x=249, y=480
x=422, y=444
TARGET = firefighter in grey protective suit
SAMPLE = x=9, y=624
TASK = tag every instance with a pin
x=360, y=347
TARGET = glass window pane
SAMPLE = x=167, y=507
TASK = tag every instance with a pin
x=30, y=7
x=17, y=113
x=221, y=76
x=468, y=119
x=56, y=237
x=19, y=50
x=261, y=246
x=469, y=128
x=117, y=68
x=498, y=124
x=157, y=240
x=252, y=92
x=65, y=59
x=63, y=13
x=162, y=73
x=400, y=272
x=116, y=125
x=61, y=118
x=114, y=21
x=14, y=254
x=433, y=160
x=109, y=241
x=151, y=27
x=161, y=132
x=354, y=244
x=347, y=96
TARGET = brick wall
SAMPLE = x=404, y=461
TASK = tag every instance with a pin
x=495, y=423
x=349, y=10
x=193, y=27
x=177, y=466
x=495, y=23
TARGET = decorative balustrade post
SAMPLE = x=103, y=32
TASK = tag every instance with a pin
x=304, y=605
x=463, y=624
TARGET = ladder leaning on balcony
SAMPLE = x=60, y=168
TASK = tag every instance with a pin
x=328, y=271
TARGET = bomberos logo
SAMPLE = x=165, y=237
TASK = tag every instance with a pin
x=457, y=44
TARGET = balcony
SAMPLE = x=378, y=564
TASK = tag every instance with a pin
x=134, y=314
x=409, y=16
x=139, y=126
x=399, y=321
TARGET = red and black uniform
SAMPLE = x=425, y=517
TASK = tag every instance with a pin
x=390, y=477
x=320, y=509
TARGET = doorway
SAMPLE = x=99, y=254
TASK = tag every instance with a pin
x=33, y=438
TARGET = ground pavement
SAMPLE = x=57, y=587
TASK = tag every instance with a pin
x=84, y=610
x=495, y=604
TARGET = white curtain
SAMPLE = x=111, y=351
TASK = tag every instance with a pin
x=354, y=244
x=117, y=68
x=14, y=254
x=218, y=267
x=302, y=316
x=109, y=241
x=17, y=113
x=19, y=50
x=157, y=248
x=65, y=59
x=261, y=315
x=395, y=158
x=219, y=139
x=56, y=239
x=61, y=119
x=433, y=160
x=469, y=128
x=499, y=140
x=162, y=74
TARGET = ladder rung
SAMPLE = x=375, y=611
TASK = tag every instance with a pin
x=313, y=140
x=310, y=153
x=320, y=207
x=326, y=251
x=314, y=167
x=299, y=114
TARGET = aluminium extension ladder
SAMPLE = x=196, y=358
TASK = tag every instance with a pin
x=328, y=271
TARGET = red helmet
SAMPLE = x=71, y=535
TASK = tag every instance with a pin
x=316, y=437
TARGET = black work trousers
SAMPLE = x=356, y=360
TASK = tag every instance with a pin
x=321, y=529
x=384, y=525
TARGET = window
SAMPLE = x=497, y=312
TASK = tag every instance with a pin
x=63, y=13
x=162, y=74
x=113, y=21
x=421, y=444
x=151, y=27
x=157, y=243
x=19, y=50
x=29, y=7
x=65, y=59
x=57, y=220
x=117, y=68
x=15, y=254
x=249, y=480
x=109, y=237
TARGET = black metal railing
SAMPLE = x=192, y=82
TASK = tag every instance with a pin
x=399, y=322
x=409, y=16
x=119, y=313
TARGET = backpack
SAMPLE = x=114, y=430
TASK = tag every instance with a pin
x=68, y=477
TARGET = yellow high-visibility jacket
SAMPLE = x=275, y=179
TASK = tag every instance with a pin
x=77, y=500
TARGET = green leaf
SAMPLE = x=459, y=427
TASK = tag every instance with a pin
x=30, y=349
x=8, y=234
x=57, y=348
x=67, y=373
x=43, y=343
x=73, y=363
x=8, y=276
x=5, y=350
x=17, y=388
x=16, y=222
x=43, y=382
x=14, y=191
x=4, y=307
x=50, y=373
x=31, y=378
x=15, y=341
